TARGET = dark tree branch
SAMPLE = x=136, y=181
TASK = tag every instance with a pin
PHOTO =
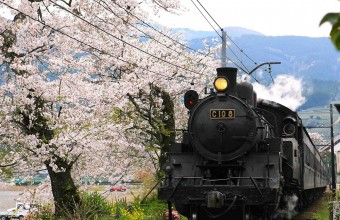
x=67, y=3
x=47, y=8
x=75, y=160
x=157, y=3
x=8, y=165
x=37, y=48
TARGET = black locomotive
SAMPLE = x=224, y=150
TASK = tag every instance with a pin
x=240, y=157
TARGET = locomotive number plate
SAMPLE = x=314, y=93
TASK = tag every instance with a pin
x=222, y=113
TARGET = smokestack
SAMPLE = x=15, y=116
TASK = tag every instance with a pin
x=231, y=74
x=245, y=92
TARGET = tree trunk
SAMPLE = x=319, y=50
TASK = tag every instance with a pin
x=169, y=125
x=65, y=193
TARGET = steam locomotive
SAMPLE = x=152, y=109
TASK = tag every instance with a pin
x=240, y=157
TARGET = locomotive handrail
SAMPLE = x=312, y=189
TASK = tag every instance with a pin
x=159, y=181
x=258, y=189
x=176, y=187
x=241, y=177
x=215, y=180
x=226, y=179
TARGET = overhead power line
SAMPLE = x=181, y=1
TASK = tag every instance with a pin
x=160, y=32
x=209, y=15
x=155, y=29
x=107, y=8
x=127, y=43
x=246, y=71
x=92, y=47
x=241, y=50
x=206, y=18
x=73, y=38
x=107, y=53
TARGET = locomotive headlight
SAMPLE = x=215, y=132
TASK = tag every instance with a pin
x=221, y=84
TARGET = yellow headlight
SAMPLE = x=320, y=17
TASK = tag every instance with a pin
x=221, y=84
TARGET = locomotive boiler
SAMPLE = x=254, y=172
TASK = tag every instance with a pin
x=240, y=157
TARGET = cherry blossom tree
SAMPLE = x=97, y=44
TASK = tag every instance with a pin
x=320, y=141
x=317, y=138
x=90, y=89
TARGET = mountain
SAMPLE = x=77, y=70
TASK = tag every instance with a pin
x=303, y=57
x=314, y=60
x=231, y=31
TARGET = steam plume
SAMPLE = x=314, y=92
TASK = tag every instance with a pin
x=286, y=90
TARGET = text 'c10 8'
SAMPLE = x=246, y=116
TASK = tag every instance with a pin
x=222, y=113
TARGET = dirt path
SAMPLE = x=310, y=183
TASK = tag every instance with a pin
x=7, y=199
x=8, y=194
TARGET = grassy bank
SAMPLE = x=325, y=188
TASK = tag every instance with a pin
x=318, y=210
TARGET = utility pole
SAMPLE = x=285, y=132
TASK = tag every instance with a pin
x=224, y=49
x=332, y=152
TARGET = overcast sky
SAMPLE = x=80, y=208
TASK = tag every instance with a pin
x=270, y=17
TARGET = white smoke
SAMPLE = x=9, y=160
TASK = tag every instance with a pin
x=286, y=90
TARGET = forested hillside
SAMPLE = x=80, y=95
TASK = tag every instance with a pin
x=314, y=60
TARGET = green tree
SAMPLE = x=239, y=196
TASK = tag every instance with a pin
x=334, y=19
x=155, y=122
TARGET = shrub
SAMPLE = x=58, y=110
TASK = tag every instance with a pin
x=44, y=213
x=123, y=211
x=154, y=210
x=93, y=206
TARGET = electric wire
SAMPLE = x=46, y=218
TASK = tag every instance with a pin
x=107, y=7
x=94, y=48
x=255, y=63
x=73, y=38
x=241, y=50
x=209, y=15
x=135, y=46
x=160, y=32
x=104, y=52
x=246, y=71
x=206, y=18
x=172, y=38
x=238, y=59
x=127, y=43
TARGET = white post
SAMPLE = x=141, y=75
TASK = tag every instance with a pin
x=224, y=49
